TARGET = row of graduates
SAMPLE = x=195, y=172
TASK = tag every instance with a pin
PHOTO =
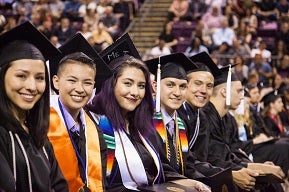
x=111, y=142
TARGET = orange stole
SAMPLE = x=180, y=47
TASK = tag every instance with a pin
x=66, y=155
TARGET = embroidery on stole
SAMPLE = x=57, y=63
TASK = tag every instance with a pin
x=181, y=136
x=112, y=140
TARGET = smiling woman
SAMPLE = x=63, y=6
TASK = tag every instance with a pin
x=25, y=84
x=24, y=112
x=125, y=108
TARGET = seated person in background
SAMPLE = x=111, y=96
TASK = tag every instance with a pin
x=212, y=19
x=71, y=10
x=261, y=49
x=267, y=11
x=283, y=69
x=101, y=38
x=170, y=40
x=278, y=83
x=274, y=116
x=262, y=68
x=197, y=8
x=223, y=34
x=64, y=31
x=179, y=11
x=224, y=52
x=195, y=47
x=233, y=19
x=240, y=47
x=160, y=50
x=283, y=8
x=253, y=78
x=241, y=70
x=110, y=22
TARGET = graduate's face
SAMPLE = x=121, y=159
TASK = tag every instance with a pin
x=173, y=93
x=277, y=105
x=25, y=83
x=75, y=83
x=236, y=94
x=129, y=89
x=200, y=88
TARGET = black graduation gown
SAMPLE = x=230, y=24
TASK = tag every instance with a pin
x=193, y=168
x=200, y=148
x=114, y=182
x=224, y=147
x=272, y=126
x=169, y=172
x=7, y=184
x=275, y=151
x=45, y=173
x=221, y=152
x=189, y=117
x=258, y=124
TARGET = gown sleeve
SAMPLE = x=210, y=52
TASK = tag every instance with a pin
x=58, y=182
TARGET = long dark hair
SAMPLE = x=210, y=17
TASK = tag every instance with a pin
x=105, y=103
x=37, y=118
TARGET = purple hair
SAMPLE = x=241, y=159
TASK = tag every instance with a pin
x=105, y=103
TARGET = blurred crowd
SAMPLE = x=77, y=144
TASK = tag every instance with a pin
x=252, y=33
x=100, y=21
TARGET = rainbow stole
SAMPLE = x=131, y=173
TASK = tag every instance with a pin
x=108, y=135
x=181, y=136
x=109, y=138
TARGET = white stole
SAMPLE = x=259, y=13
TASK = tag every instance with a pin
x=133, y=161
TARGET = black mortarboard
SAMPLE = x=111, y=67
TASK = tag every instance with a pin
x=121, y=47
x=205, y=63
x=270, y=97
x=175, y=65
x=25, y=42
x=78, y=43
x=222, y=78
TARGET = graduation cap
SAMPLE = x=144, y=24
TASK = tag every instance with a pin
x=122, y=48
x=227, y=77
x=175, y=65
x=78, y=43
x=270, y=97
x=25, y=42
x=205, y=63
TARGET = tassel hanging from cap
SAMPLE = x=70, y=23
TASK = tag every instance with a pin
x=228, y=87
x=158, y=94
